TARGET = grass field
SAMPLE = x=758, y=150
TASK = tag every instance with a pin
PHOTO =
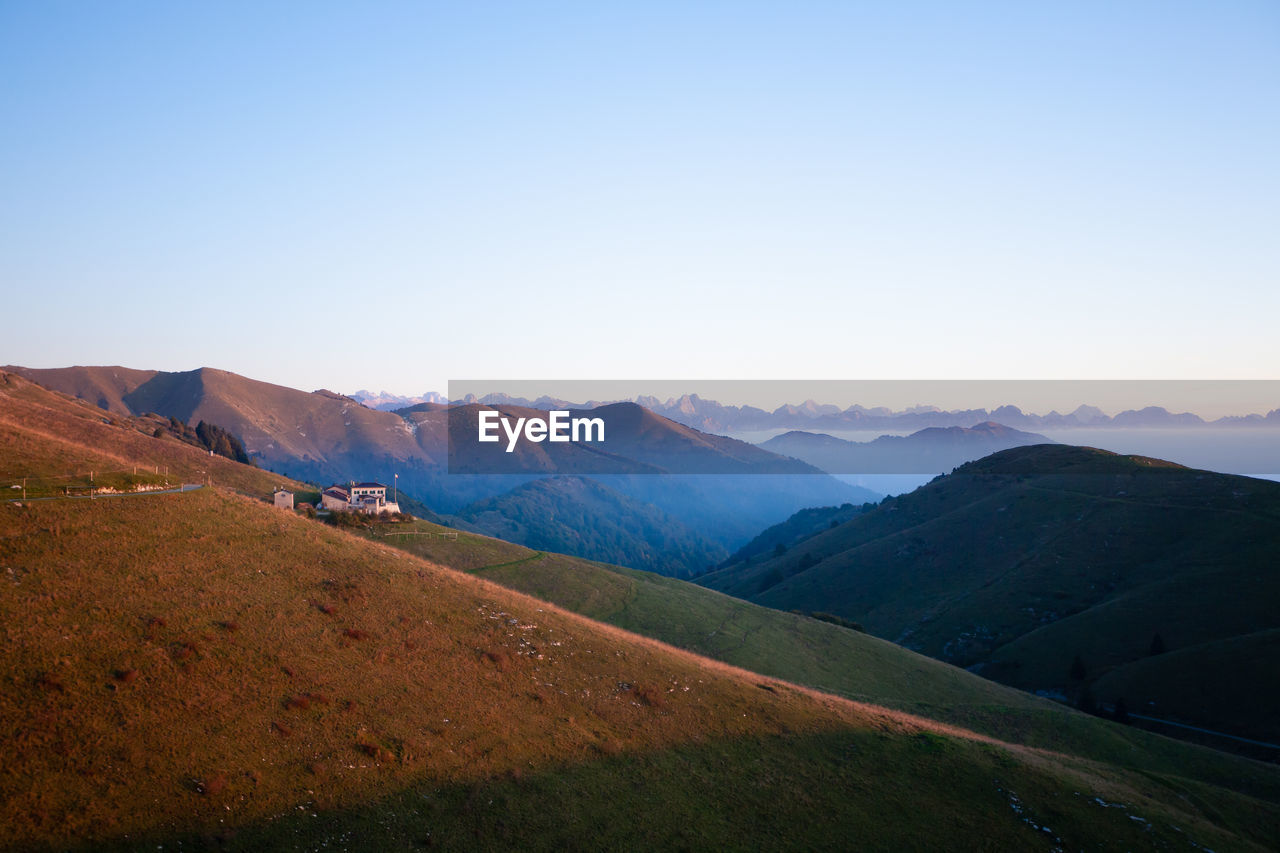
x=203, y=671
x=204, y=666
x=818, y=654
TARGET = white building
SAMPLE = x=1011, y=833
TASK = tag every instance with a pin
x=335, y=498
x=369, y=498
x=283, y=498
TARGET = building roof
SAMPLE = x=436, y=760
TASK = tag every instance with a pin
x=336, y=491
x=369, y=486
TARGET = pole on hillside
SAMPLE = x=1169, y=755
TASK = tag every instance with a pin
x=395, y=490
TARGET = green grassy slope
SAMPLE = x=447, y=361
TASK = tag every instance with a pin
x=815, y=653
x=869, y=790
x=786, y=645
x=801, y=525
x=1017, y=563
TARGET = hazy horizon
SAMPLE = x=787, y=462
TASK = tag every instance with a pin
x=1209, y=399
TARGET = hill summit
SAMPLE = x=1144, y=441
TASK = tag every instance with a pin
x=1019, y=564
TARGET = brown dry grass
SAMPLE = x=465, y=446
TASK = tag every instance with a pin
x=45, y=434
x=430, y=676
x=139, y=587
x=456, y=680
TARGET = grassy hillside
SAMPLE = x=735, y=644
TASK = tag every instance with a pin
x=814, y=653
x=801, y=525
x=202, y=666
x=203, y=670
x=55, y=441
x=787, y=645
x=1021, y=562
x=227, y=655
x=106, y=388
x=313, y=434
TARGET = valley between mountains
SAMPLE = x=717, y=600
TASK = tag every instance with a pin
x=204, y=669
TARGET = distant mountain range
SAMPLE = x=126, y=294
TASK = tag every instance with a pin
x=708, y=414
x=325, y=437
x=1084, y=574
x=711, y=416
x=385, y=401
x=929, y=451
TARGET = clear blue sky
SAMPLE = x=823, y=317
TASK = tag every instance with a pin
x=356, y=195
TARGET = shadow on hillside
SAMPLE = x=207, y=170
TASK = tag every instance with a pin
x=864, y=789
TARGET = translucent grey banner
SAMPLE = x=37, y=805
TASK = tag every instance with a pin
x=853, y=427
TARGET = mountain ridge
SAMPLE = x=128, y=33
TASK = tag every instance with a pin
x=931, y=450
x=713, y=416
x=325, y=437
x=1017, y=563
